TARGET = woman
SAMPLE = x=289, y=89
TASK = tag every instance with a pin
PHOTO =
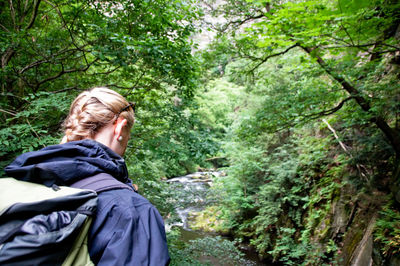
x=127, y=229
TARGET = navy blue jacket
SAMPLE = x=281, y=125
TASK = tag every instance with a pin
x=127, y=228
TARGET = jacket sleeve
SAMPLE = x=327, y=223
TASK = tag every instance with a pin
x=126, y=235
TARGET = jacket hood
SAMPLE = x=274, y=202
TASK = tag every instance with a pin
x=67, y=163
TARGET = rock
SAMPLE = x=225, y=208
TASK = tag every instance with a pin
x=363, y=253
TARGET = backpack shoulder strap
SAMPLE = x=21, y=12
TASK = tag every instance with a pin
x=100, y=182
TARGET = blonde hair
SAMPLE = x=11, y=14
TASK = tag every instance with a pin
x=92, y=110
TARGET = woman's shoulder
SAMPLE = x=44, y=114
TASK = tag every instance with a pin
x=126, y=207
x=123, y=199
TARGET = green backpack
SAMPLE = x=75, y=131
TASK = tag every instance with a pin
x=44, y=225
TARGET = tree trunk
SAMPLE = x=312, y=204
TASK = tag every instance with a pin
x=7, y=57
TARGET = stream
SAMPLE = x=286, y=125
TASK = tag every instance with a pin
x=190, y=194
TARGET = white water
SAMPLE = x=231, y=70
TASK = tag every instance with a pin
x=193, y=199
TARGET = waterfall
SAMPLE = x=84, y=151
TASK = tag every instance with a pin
x=190, y=198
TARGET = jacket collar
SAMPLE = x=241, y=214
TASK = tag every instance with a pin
x=67, y=163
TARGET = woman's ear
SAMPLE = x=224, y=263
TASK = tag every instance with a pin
x=120, y=124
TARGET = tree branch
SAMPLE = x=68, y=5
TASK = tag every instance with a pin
x=121, y=87
x=239, y=22
x=34, y=14
x=7, y=56
x=24, y=11
x=392, y=135
x=4, y=28
x=360, y=46
x=347, y=86
x=50, y=58
x=131, y=87
x=57, y=10
x=34, y=131
x=265, y=59
x=55, y=6
x=65, y=89
x=8, y=112
x=9, y=53
x=359, y=167
x=26, y=5
x=343, y=27
x=62, y=72
x=33, y=65
x=12, y=11
x=336, y=136
x=309, y=117
x=330, y=111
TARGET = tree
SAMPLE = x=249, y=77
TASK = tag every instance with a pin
x=354, y=44
x=50, y=50
x=135, y=45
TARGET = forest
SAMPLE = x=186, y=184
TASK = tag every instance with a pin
x=297, y=102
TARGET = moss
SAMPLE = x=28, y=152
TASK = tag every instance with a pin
x=355, y=235
x=325, y=228
x=208, y=221
x=367, y=205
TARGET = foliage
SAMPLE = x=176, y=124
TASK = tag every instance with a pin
x=212, y=249
x=35, y=127
x=169, y=138
x=50, y=50
x=278, y=192
x=387, y=230
x=129, y=44
x=218, y=102
x=178, y=251
x=280, y=186
x=204, y=251
x=341, y=49
x=300, y=61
